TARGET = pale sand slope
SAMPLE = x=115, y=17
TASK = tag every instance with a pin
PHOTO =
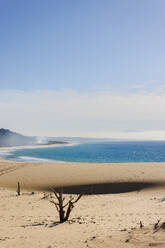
x=98, y=220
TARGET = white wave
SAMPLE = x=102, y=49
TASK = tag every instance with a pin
x=5, y=153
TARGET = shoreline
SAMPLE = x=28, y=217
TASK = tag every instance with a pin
x=33, y=146
x=11, y=154
x=33, y=159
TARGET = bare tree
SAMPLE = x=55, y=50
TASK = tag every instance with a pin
x=60, y=206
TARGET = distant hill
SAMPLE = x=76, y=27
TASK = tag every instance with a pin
x=9, y=138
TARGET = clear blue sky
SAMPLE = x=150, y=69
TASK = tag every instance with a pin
x=82, y=45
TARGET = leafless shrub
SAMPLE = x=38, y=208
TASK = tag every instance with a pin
x=64, y=209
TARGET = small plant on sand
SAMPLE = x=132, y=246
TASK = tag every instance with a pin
x=64, y=209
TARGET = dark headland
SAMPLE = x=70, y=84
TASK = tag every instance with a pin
x=9, y=138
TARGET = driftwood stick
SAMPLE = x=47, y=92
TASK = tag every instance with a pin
x=18, y=188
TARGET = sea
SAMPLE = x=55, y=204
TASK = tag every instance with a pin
x=93, y=152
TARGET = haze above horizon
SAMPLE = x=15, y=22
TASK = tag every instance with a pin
x=83, y=68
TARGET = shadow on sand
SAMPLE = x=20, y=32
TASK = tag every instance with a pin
x=108, y=188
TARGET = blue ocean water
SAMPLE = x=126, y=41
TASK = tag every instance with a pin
x=141, y=151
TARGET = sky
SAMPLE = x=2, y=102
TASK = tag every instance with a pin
x=86, y=68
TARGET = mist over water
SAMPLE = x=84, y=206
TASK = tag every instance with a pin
x=117, y=151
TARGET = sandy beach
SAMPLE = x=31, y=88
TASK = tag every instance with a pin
x=2, y=148
x=120, y=206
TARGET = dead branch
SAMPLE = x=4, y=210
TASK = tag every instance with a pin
x=161, y=227
x=156, y=225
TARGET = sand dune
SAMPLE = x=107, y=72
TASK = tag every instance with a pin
x=119, y=196
x=42, y=176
